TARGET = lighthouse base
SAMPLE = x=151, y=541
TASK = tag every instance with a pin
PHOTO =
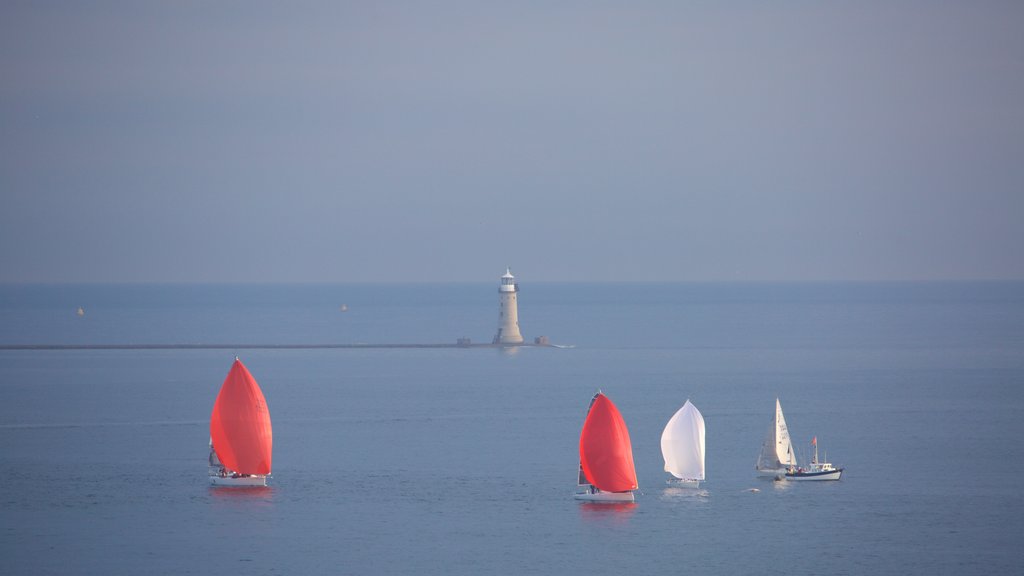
x=503, y=337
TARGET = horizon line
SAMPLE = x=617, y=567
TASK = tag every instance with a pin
x=487, y=282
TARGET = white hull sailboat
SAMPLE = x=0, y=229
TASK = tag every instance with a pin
x=606, y=468
x=241, y=436
x=238, y=480
x=682, y=447
x=777, y=455
x=599, y=496
x=817, y=470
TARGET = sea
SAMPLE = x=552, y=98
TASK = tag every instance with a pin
x=449, y=461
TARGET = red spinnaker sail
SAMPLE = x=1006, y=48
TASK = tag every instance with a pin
x=606, y=454
x=240, y=424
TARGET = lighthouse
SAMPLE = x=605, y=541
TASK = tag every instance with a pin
x=508, y=311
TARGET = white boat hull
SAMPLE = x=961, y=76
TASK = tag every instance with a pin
x=217, y=480
x=683, y=483
x=605, y=496
x=822, y=475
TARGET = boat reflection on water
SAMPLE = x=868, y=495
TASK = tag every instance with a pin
x=604, y=512
x=683, y=494
x=242, y=499
x=232, y=495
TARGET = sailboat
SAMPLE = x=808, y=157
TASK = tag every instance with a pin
x=777, y=455
x=817, y=470
x=606, y=455
x=241, y=437
x=682, y=447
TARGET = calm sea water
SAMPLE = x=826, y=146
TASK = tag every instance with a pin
x=463, y=461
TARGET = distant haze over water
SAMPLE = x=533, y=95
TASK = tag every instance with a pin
x=335, y=141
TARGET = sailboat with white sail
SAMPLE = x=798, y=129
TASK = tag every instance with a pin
x=606, y=455
x=241, y=436
x=777, y=455
x=682, y=447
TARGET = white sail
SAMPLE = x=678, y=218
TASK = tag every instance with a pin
x=682, y=443
x=777, y=450
x=783, y=445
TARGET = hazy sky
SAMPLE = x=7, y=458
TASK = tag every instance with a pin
x=434, y=141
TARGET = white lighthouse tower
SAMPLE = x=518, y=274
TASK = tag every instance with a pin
x=508, y=311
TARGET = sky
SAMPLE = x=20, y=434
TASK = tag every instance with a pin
x=443, y=141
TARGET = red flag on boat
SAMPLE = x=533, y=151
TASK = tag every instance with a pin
x=240, y=424
x=814, y=441
x=606, y=454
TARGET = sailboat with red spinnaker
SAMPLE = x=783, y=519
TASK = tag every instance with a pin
x=241, y=436
x=606, y=455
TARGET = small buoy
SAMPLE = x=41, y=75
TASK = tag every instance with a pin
x=344, y=308
x=81, y=311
